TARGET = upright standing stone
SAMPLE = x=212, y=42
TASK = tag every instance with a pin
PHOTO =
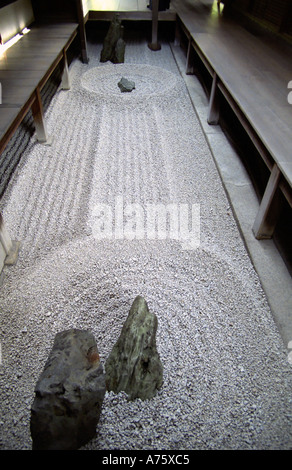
x=68, y=394
x=134, y=365
x=114, y=45
x=119, y=55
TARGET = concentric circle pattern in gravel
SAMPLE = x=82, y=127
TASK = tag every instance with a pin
x=149, y=81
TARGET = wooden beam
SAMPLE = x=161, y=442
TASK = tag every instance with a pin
x=177, y=34
x=8, y=248
x=267, y=216
x=213, y=111
x=5, y=239
x=189, y=62
x=38, y=116
x=82, y=33
x=168, y=15
x=66, y=85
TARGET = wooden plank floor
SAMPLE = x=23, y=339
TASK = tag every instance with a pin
x=24, y=66
x=255, y=72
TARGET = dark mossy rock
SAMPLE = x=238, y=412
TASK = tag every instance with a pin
x=134, y=365
x=69, y=394
x=119, y=54
x=114, y=46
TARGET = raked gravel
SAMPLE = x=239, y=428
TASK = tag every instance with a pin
x=227, y=379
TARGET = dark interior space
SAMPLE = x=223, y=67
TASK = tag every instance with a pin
x=55, y=10
x=97, y=30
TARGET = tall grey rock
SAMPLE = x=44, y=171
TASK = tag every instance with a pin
x=119, y=52
x=114, y=44
x=134, y=365
x=68, y=394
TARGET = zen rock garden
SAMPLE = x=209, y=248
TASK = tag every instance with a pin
x=70, y=391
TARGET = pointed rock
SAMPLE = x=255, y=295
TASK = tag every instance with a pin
x=114, y=45
x=119, y=54
x=134, y=365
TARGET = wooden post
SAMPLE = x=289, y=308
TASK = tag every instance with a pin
x=177, y=34
x=82, y=33
x=154, y=46
x=8, y=248
x=38, y=115
x=213, y=111
x=65, y=77
x=267, y=215
x=190, y=65
x=5, y=239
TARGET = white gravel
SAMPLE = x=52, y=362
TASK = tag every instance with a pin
x=227, y=379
